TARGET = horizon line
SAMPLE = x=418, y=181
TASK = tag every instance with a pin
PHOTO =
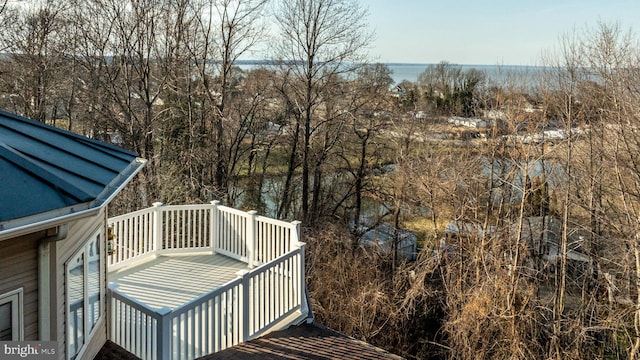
x=273, y=61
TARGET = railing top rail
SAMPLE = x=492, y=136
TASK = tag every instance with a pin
x=282, y=258
x=283, y=223
x=129, y=215
x=155, y=313
x=163, y=207
x=186, y=207
x=231, y=210
x=223, y=208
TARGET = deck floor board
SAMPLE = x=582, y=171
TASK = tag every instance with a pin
x=173, y=280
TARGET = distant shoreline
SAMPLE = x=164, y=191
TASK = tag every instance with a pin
x=411, y=71
x=274, y=62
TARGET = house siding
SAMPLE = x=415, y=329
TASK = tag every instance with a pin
x=78, y=235
x=19, y=269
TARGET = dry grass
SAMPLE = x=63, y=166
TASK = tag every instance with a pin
x=355, y=292
x=458, y=306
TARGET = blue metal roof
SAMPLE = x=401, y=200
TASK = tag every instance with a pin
x=46, y=172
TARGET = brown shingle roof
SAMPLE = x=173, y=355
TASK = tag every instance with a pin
x=112, y=351
x=308, y=341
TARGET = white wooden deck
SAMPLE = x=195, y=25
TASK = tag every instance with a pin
x=170, y=298
x=174, y=280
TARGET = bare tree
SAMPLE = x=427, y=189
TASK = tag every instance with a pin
x=226, y=30
x=35, y=38
x=591, y=93
x=371, y=116
x=122, y=48
x=320, y=40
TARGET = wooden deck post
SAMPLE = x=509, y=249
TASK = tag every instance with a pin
x=301, y=265
x=244, y=307
x=296, y=243
x=295, y=235
x=213, y=226
x=157, y=227
x=252, y=238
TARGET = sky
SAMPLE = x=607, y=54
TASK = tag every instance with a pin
x=485, y=32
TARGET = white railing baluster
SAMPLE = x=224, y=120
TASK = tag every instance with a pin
x=238, y=226
x=191, y=319
x=224, y=328
x=187, y=232
x=126, y=251
x=203, y=223
x=182, y=226
x=154, y=340
x=174, y=238
x=217, y=334
x=197, y=222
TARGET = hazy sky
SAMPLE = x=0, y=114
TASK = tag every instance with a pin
x=485, y=32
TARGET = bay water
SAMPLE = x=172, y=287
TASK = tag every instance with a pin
x=499, y=74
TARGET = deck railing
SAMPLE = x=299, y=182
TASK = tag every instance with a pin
x=161, y=229
x=245, y=308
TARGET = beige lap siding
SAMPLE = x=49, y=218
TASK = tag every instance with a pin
x=19, y=269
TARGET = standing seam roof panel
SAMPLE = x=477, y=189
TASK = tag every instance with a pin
x=45, y=170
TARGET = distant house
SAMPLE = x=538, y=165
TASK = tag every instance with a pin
x=397, y=91
x=475, y=123
x=544, y=136
x=543, y=235
x=494, y=114
x=274, y=129
x=462, y=228
x=112, y=137
x=553, y=135
x=56, y=186
x=382, y=114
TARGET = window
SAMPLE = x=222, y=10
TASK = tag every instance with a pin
x=83, y=294
x=11, y=327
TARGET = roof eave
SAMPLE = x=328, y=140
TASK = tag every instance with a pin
x=119, y=182
x=46, y=220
